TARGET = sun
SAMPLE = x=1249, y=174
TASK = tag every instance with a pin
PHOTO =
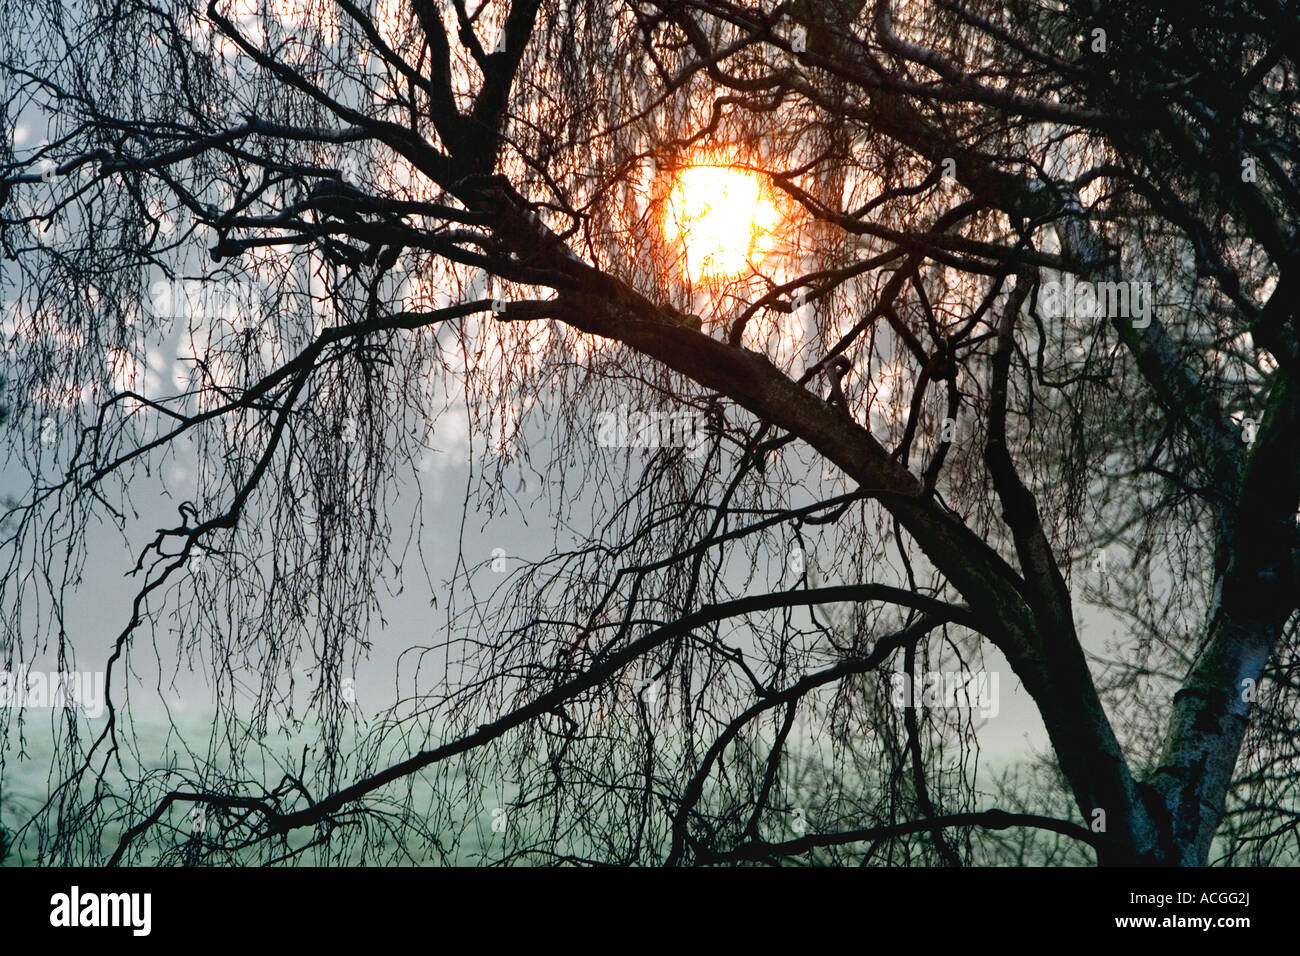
x=722, y=218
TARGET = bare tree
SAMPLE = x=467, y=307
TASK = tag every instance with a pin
x=1013, y=337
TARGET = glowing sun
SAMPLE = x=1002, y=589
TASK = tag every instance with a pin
x=722, y=218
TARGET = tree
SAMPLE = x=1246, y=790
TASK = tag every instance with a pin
x=1018, y=341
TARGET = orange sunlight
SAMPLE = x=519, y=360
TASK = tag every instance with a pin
x=722, y=217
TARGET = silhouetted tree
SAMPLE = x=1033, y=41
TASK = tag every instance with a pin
x=1022, y=342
